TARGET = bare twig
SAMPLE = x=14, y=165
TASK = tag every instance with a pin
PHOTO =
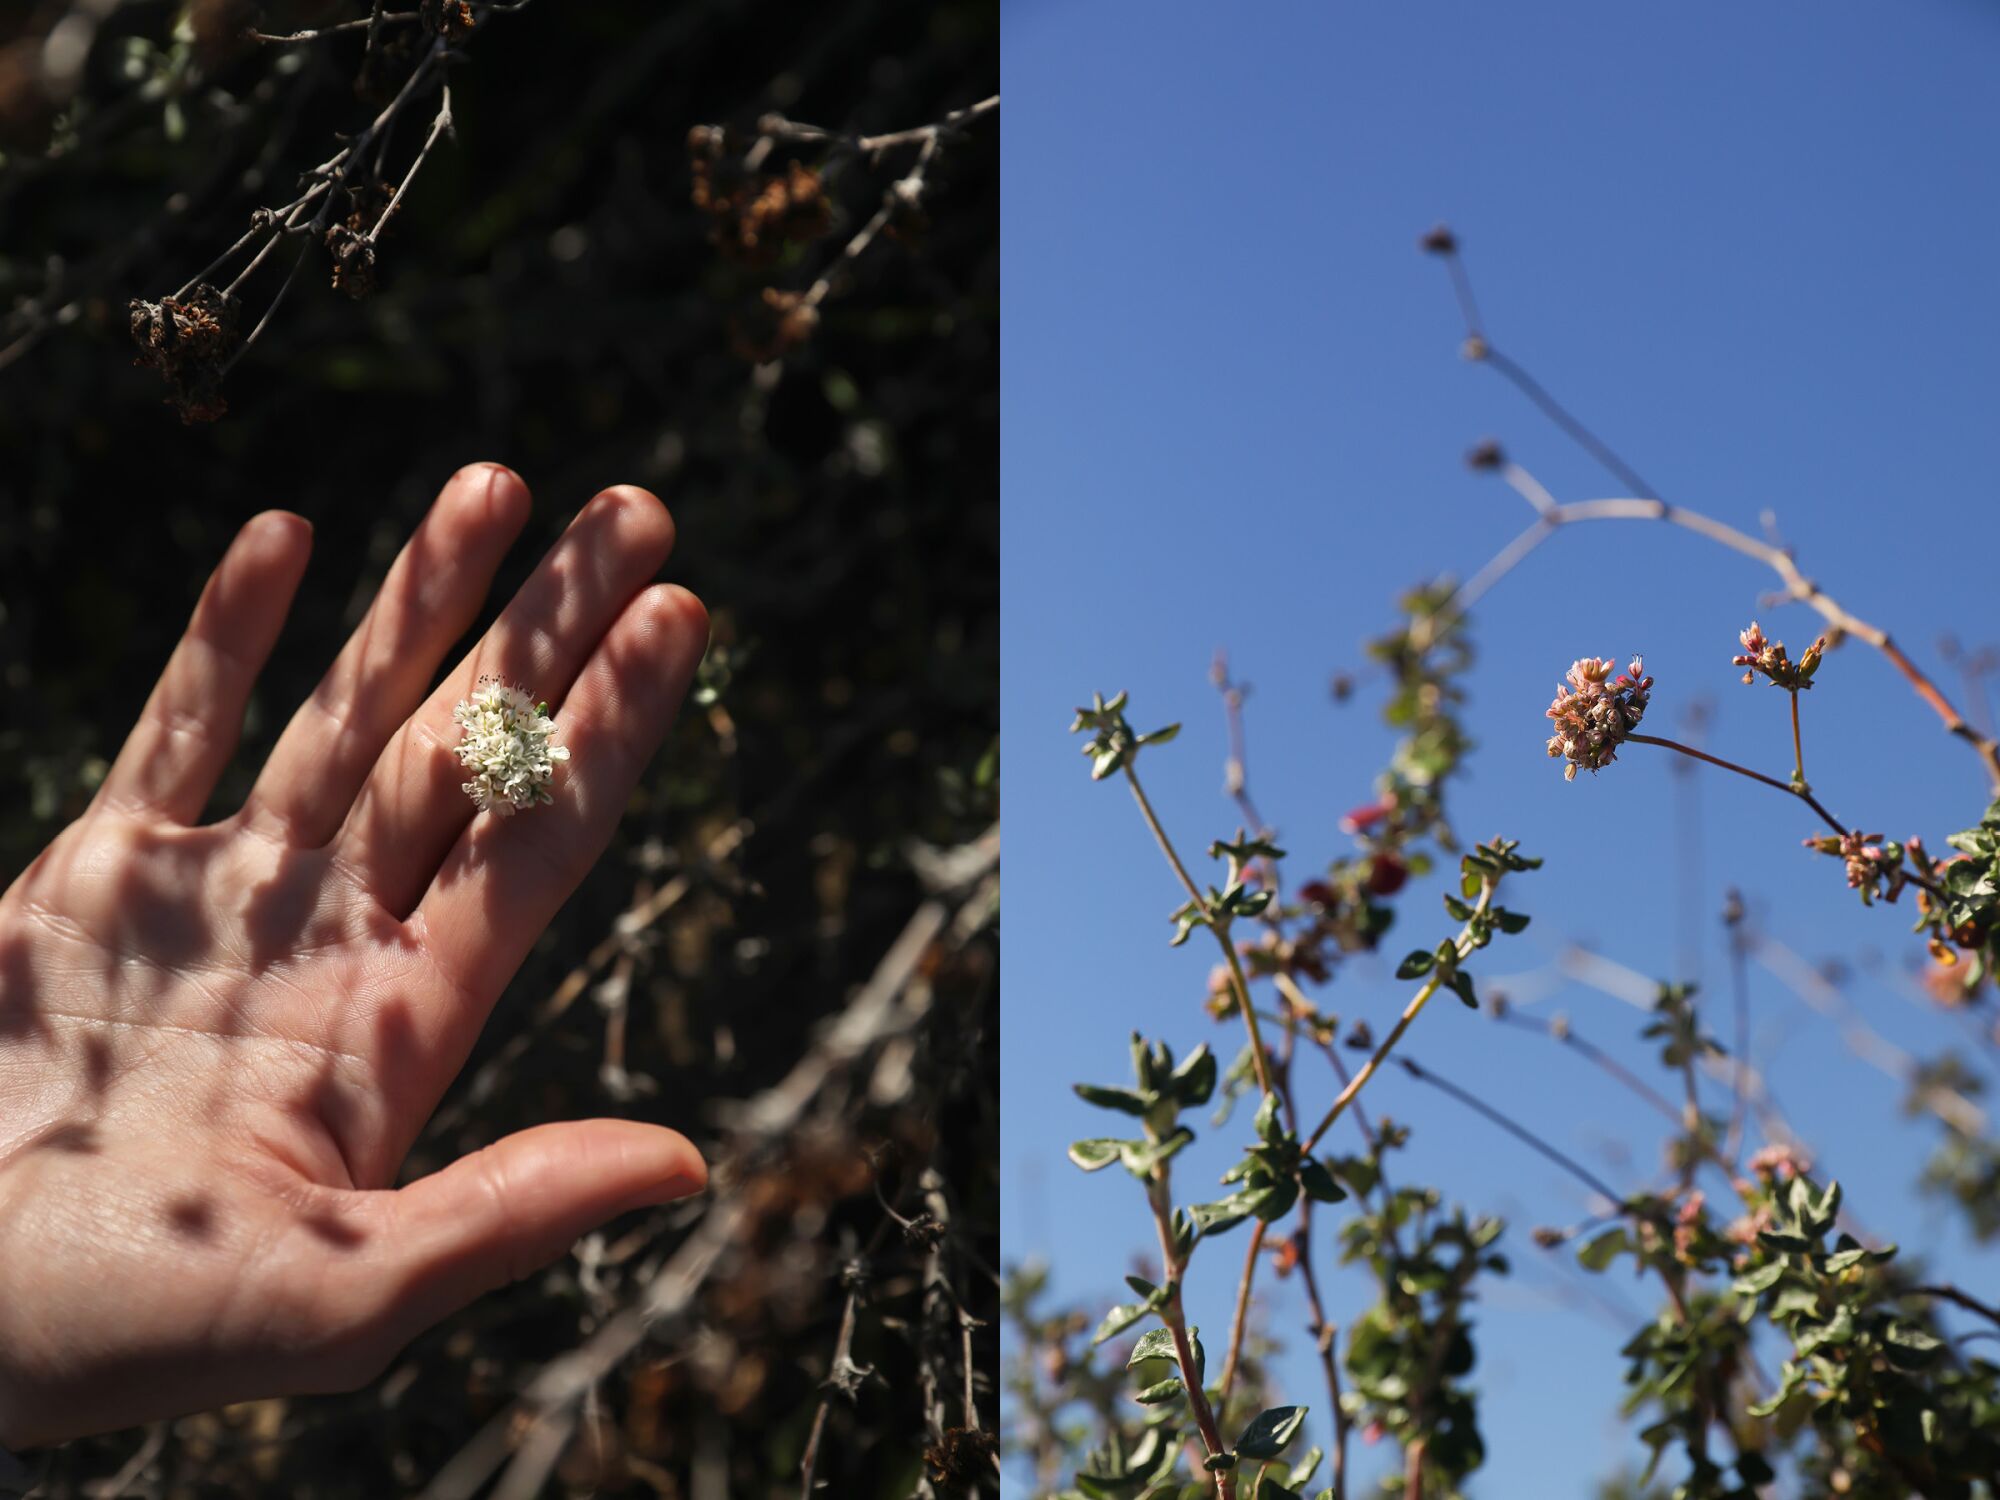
x=1647, y=505
x=1612, y=1197
x=371, y=24
x=843, y=1377
x=893, y=1003
x=1410, y=1012
x=1239, y=982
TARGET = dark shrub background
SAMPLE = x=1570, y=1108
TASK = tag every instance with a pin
x=549, y=298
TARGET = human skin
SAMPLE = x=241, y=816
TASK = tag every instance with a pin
x=218, y=1041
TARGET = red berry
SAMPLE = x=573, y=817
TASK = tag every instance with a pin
x=1386, y=874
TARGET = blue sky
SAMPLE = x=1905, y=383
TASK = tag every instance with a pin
x=1753, y=247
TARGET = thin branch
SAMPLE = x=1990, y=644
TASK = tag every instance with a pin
x=1556, y=412
x=1739, y=980
x=1598, y=1057
x=840, y=1378
x=1798, y=588
x=1175, y=1318
x=1479, y=347
x=1239, y=981
x=1410, y=1013
x=1520, y=1132
x=1796, y=789
x=1241, y=1318
x=1324, y=1334
x=440, y=125
x=778, y=128
x=1861, y=1039
x=892, y=1004
x=1965, y=1300
x=370, y=24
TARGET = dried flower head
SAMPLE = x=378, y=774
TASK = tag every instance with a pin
x=754, y=214
x=351, y=243
x=1594, y=712
x=1767, y=657
x=505, y=743
x=781, y=322
x=189, y=341
x=450, y=19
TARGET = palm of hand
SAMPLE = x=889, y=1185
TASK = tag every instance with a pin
x=218, y=1042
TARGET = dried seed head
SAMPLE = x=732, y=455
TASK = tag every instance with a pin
x=783, y=322
x=753, y=216
x=450, y=19
x=1439, y=240
x=353, y=261
x=189, y=341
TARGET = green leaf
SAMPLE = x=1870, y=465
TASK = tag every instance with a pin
x=1819, y=1210
x=1158, y=1343
x=1790, y=1244
x=1602, y=1249
x=1509, y=921
x=1272, y=1203
x=1320, y=1186
x=1165, y=1390
x=1223, y=1214
x=1305, y=1468
x=1194, y=1080
x=1838, y=1329
x=1266, y=1123
x=1098, y=1151
x=1141, y=1157
x=1269, y=1431
x=1850, y=1252
x=1415, y=964
x=1910, y=1347
x=1122, y=1100
x=1104, y=1487
x=1461, y=985
x=1754, y=1283
x=1120, y=1318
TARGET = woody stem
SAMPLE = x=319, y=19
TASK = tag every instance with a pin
x=1798, y=791
x=1798, y=751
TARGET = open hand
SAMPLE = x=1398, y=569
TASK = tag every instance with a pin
x=218, y=1041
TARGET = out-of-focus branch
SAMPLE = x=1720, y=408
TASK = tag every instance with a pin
x=1646, y=505
x=527, y=1439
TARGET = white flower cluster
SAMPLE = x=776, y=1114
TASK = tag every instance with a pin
x=505, y=744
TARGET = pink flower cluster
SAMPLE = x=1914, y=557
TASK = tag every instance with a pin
x=1768, y=657
x=1780, y=1162
x=1870, y=868
x=1594, y=712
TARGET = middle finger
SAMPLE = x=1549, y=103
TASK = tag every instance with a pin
x=412, y=808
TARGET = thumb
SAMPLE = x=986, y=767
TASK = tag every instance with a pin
x=506, y=1211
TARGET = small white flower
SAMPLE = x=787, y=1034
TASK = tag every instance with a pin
x=504, y=742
